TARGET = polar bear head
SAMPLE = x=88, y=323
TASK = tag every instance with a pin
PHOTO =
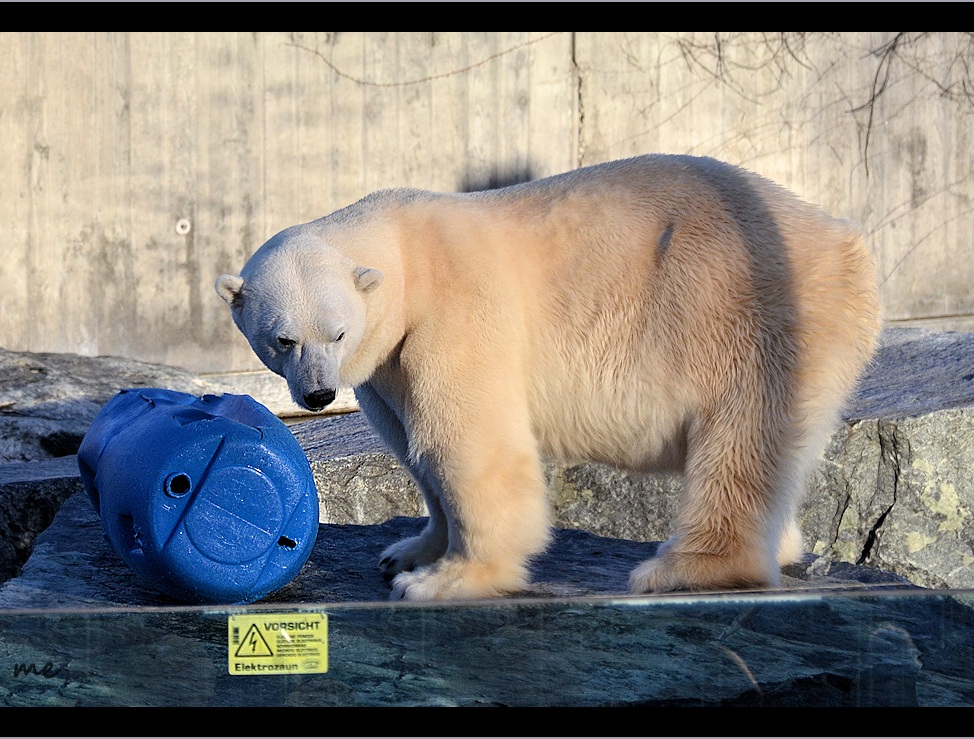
x=302, y=306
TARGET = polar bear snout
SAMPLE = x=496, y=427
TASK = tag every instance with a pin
x=319, y=399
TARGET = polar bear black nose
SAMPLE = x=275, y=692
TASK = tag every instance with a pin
x=319, y=399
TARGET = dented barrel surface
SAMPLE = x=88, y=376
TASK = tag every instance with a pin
x=209, y=499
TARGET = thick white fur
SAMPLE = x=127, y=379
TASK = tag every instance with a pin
x=654, y=313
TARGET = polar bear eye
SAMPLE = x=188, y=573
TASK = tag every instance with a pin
x=285, y=342
x=340, y=336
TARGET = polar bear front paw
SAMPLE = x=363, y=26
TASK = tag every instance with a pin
x=676, y=570
x=411, y=553
x=459, y=579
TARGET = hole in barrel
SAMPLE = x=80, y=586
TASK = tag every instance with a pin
x=178, y=485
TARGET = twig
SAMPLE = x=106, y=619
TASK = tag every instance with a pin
x=430, y=78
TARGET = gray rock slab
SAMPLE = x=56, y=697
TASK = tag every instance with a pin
x=47, y=401
x=30, y=496
x=836, y=636
x=893, y=490
x=915, y=372
x=73, y=565
x=892, y=500
x=895, y=487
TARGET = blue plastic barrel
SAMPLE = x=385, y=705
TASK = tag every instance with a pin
x=209, y=499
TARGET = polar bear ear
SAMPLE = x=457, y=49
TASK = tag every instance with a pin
x=230, y=288
x=367, y=279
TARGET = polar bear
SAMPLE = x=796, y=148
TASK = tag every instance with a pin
x=654, y=313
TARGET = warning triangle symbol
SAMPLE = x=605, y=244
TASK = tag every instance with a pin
x=254, y=644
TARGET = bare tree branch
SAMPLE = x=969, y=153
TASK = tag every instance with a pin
x=451, y=73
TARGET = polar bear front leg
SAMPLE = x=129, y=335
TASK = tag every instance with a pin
x=431, y=543
x=418, y=551
x=498, y=517
x=467, y=413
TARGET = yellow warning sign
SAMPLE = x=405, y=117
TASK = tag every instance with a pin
x=277, y=643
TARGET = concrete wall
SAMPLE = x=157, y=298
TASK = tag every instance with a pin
x=137, y=167
x=877, y=128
